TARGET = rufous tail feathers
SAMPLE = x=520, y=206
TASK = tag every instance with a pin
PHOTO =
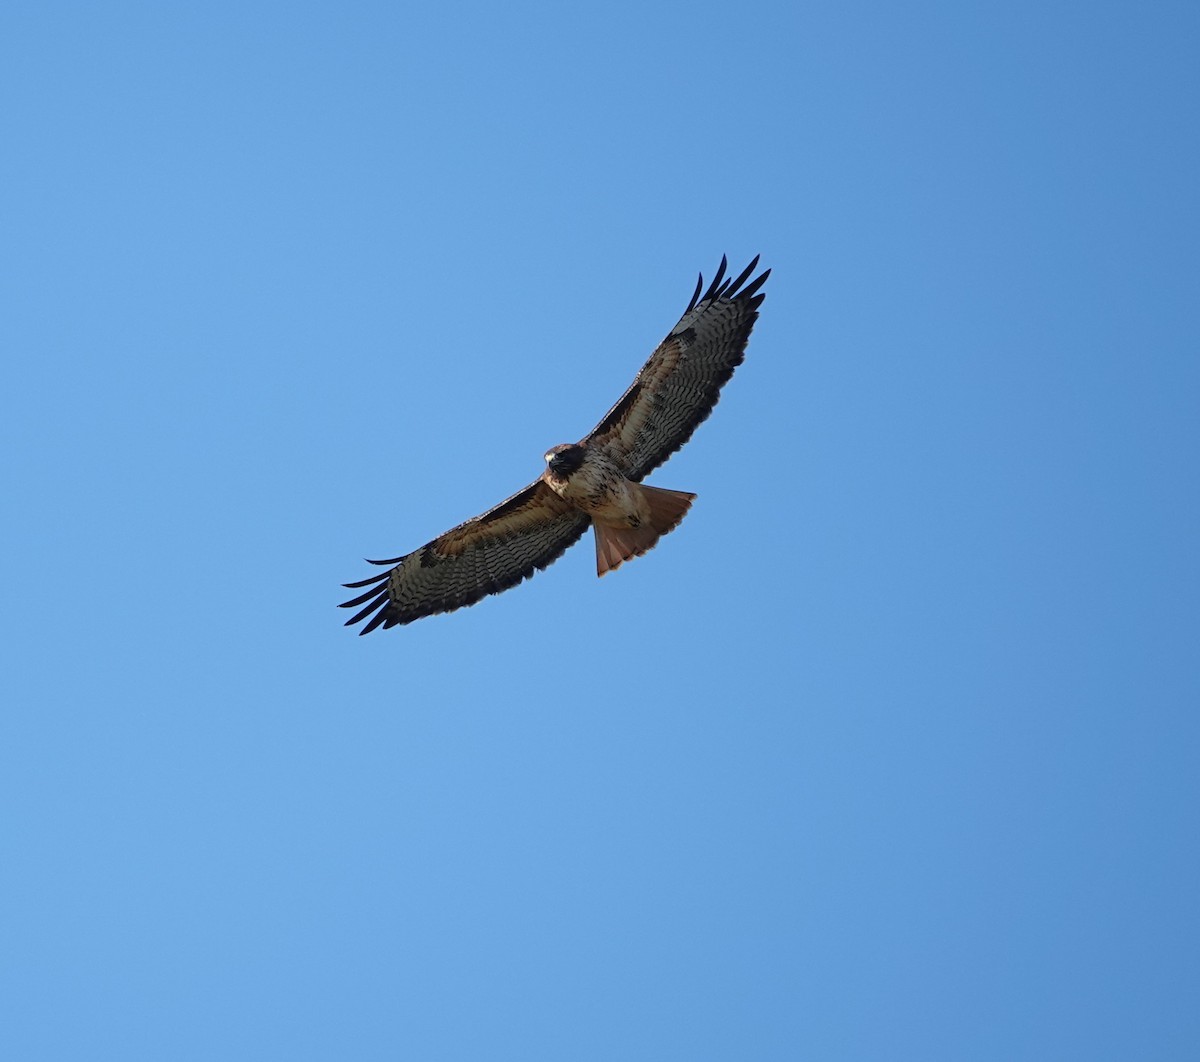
x=615, y=545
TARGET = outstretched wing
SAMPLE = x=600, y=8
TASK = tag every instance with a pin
x=482, y=556
x=678, y=387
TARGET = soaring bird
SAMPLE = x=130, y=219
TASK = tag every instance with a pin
x=596, y=481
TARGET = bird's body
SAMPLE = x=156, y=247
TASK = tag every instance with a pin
x=596, y=486
x=628, y=517
x=596, y=481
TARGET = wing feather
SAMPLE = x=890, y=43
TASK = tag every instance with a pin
x=490, y=553
x=681, y=382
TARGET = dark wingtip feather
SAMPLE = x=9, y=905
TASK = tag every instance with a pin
x=378, y=618
x=755, y=284
x=377, y=599
x=366, y=582
x=728, y=289
x=716, y=280
x=374, y=592
x=359, y=616
x=741, y=278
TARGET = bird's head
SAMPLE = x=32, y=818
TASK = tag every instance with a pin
x=564, y=460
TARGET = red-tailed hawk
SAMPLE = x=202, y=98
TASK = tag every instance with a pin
x=595, y=481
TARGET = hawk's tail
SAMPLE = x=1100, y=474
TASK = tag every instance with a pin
x=615, y=545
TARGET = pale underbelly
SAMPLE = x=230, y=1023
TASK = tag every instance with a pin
x=615, y=503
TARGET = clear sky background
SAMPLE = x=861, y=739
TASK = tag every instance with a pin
x=890, y=751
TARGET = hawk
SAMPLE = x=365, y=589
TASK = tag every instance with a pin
x=596, y=481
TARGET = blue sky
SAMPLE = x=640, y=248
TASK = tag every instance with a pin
x=890, y=751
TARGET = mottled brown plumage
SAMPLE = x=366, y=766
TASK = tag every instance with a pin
x=595, y=481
